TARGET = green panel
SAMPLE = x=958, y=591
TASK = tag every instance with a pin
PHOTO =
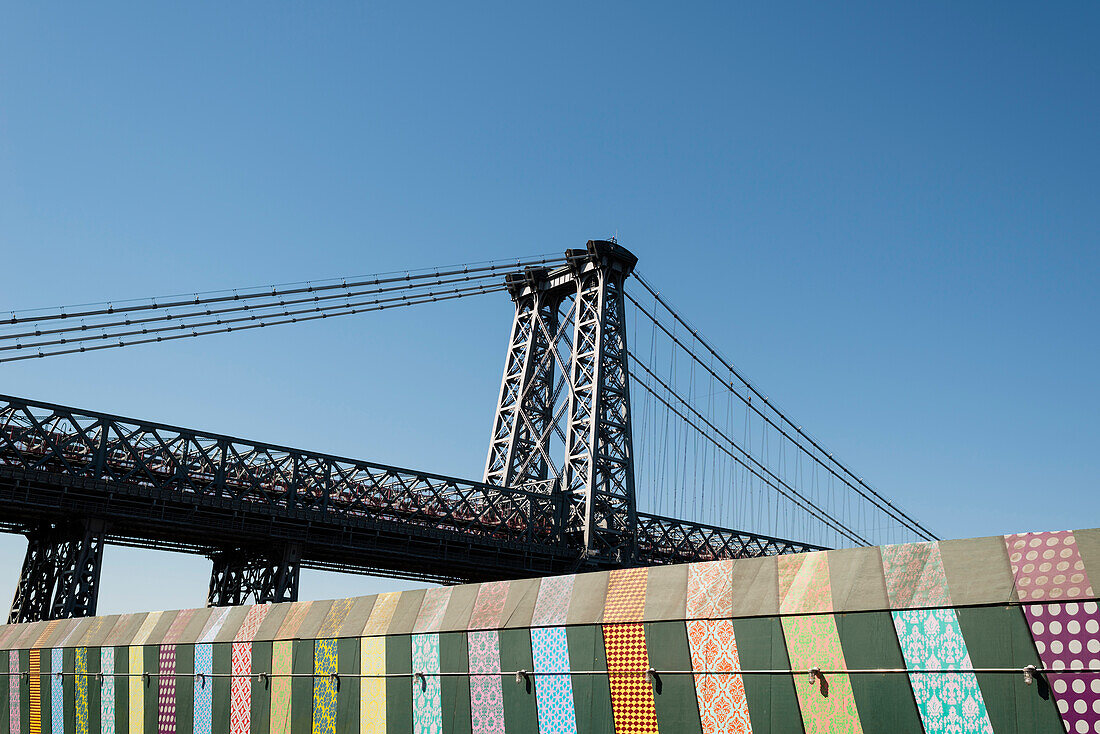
x=301, y=689
x=674, y=697
x=95, y=726
x=399, y=690
x=455, y=690
x=24, y=692
x=773, y=705
x=999, y=637
x=185, y=689
x=260, y=720
x=347, y=691
x=68, y=688
x=520, y=709
x=591, y=693
x=885, y=700
x=46, y=688
x=222, y=664
x=5, y=712
x=151, y=662
x=122, y=689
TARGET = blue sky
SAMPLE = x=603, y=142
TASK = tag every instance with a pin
x=886, y=214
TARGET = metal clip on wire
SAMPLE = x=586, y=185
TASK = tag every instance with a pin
x=145, y=679
x=262, y=678
x=1029, y=674
x=815, y=673
x=521, y=676
x=201, y=678
x=419, y=675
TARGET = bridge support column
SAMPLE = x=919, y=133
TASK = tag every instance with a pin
x=60, y=575
x=249, y=575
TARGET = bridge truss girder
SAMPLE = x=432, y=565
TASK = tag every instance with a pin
x=254, y=575
x=60, y=574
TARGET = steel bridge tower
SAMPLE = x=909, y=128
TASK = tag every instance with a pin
x=596, y=478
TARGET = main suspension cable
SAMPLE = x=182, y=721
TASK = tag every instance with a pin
x=915, y=525
x=374, y=306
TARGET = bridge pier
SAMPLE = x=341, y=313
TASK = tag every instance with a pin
x=60, y=575
x=241, y=575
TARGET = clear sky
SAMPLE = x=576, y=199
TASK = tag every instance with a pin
x=887, y=214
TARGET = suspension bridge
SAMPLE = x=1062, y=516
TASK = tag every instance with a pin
x=621, y=437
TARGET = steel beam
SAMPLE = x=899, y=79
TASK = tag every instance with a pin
x=257, y=576
x=60, y=574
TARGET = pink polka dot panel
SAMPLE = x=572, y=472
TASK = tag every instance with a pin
x=1067, y=636
x=1047, y=567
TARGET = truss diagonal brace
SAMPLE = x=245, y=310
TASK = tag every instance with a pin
x=244, y=575
x=60, y=574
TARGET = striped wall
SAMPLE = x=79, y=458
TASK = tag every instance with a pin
x=715, y=648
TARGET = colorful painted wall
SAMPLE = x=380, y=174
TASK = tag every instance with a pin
x=930, y=637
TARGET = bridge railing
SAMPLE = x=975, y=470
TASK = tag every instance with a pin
x=667, y=540
x=139, y=456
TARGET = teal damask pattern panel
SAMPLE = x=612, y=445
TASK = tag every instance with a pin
x=427, y=696
x=949, y=703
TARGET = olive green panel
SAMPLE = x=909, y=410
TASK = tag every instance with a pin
x=460, y=605
x=94, y=686
x=591, y=693
x=674, y=695
x=587, y=600
x=185, y=689
x=998, y=637
x=455, y=690
x=1088, y=545
x=194, y=627
x=755, y=587
x=222, y=663
x=68, y=686
x=399, y=690
x=404, y=619
x=773, y=705
x=46, y=689
x=261, y=691
x=122, y=687
x=347, y=690
x=884, y=700
x=977, y=571
x=856, y=580
x=160, y=629
x=5, y=712
x=520, y=709
x=666, y=592
x=519, y=607
x=301, y=688
x=125, y=629
x=151, y=664
x=24, y=693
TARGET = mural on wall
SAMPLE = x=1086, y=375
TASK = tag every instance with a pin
x=791, y=608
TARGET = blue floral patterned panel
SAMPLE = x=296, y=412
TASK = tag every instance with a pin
x=427, y=698
x=204, y=689
x=553, y=693
x=107, y=690
x=949, y=703
x=57, y=708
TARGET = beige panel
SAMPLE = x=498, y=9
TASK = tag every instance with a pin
x=666, y=592
x=520, y=604
x=77, y=629
x=408, y=606
x=755, y=587
x=357, y=616
x=191, y=633
x=124, y=630
x=232, y=624
x=589, y=594
x=857, y=580
x=1088, y=545
x=30, y=633
x=459, y=607
x=977, y=571
x=314, y=618
x=272, y=622
x=11, y=635
x=161, y=630
x=96, y=634
x=60, y=631
x=381, y=614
